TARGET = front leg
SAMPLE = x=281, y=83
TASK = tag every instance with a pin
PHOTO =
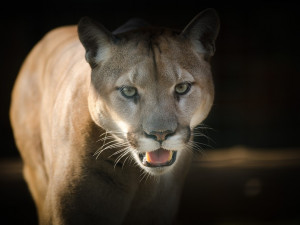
x=97, y=196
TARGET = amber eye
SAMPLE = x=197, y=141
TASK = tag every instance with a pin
x=128, y=92
x=183, y=88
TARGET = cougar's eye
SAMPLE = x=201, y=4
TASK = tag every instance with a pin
x=128, y=91
x=182, y=88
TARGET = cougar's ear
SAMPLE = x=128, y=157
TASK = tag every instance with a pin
x=203, y=31
x=96, y=39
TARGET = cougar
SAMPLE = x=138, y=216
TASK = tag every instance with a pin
x=104, y=121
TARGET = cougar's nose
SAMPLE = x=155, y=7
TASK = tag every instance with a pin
x=159, y=136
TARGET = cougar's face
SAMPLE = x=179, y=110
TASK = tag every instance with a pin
x=151, y=86
x=150, y=99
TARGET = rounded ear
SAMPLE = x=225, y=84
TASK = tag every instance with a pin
x=203, y=31
x=96, y=40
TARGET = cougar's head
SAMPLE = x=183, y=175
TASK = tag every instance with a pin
x=151, y=86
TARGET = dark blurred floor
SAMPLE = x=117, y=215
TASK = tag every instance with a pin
x=243, y=186
x=235, y=186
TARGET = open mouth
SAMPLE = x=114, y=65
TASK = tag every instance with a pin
x=158, y=158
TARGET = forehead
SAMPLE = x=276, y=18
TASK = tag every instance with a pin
x=153, y=57
x=157, y=71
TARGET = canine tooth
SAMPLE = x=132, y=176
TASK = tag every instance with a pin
x=147, y=157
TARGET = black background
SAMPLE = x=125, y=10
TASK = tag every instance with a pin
x=256, y=66
x=256, y=72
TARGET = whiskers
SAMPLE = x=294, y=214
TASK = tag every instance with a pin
x=110, y=143
x=119, y=151
x=197, y=146
x=144, y=176
x=122, y=153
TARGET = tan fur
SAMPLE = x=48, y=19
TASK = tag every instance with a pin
x=61, y=110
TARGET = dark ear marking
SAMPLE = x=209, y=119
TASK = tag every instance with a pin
x=203, y=31
x=96, y=40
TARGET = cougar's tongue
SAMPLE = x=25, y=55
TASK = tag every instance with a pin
x=159, y=156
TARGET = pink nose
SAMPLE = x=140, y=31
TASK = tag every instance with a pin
x=159, y=136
